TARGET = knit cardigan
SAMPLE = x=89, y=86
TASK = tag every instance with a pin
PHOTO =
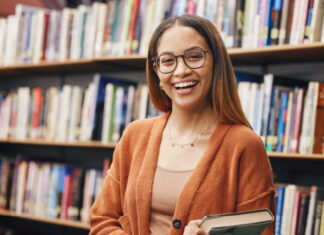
x=234, y=174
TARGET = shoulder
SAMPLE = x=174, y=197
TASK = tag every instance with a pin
x=243, y=135
x=242, y=139
x=141, y=130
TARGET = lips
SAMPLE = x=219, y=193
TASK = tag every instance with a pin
x=185, y=85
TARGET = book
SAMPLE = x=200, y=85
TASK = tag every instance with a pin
x=319, y=124
x=247, y=222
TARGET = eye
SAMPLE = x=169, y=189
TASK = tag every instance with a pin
x=194, y=55
x=167, y=60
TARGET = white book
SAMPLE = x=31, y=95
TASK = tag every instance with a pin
x=5, y=117
x=39, y=189
x=77, y=31
x=51, y=35
x=302, y=17
x=30, y=48
x=76, y=102
x=309, y=116
x=287, y=210
x=64, y=34
x=90, y=31
x=23, y=112
x=259, y=111
x=118, y=113
x=33, y=200
x=200, y=11
x=316, y=22
x=86, y=130
x=98, y=45
x=311, y=210
x=244, y=91
x=130, y=105
x=11, y=35
x=64, y=113
x=107, y=113
x=293, y=40
x=252, y=102
x=148, y=18
x=52, y=117
x=268, y=81
x=21, y=185
x=3, y=32
x=37, y=53
x=29, y=186
x=254, y=20
x=143, y=102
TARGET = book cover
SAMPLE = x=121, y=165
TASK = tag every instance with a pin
x=248, y=222
x=279, y=207
x=302, y=213
x=319, y=123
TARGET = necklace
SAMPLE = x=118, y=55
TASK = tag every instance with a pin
x=191, y=143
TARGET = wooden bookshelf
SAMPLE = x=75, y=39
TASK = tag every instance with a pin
x=98, y=144
x=257, y=56
x=86, y=144
x=296, y=156
x=61, y=222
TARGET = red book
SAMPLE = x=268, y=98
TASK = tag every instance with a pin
x=45, y=33
x=319, y=122
x=37, y=106
x=131, y=31
x=66, y=197
x=297, y=121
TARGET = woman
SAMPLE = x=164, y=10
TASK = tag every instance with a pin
x=199, y=158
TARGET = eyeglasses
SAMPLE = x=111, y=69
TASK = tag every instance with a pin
x=193, y=59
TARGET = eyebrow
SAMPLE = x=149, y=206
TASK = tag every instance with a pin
x=171, y=53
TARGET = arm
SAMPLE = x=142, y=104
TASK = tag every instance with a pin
x=255, y=187
x=106, y=215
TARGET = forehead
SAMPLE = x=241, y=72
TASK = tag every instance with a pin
x=178, y=39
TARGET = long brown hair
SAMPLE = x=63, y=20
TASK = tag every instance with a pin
x=224, y=96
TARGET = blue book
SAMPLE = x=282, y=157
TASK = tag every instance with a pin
x=268, y=24
x=282, y=120
x=279, y=207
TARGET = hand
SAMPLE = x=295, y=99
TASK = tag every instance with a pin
x=193, y=229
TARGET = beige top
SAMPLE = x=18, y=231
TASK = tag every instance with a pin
x=167, y=186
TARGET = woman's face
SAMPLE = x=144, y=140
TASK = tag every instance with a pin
x=188, y=88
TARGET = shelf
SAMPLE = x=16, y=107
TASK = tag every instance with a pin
x=88, y=144
x=98, y=144
x=61, y=222
x=265, y=55
x=135, y=62
x=278, y=54
x=296, y=156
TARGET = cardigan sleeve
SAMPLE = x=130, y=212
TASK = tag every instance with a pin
x=255, y=187
x=106, y=214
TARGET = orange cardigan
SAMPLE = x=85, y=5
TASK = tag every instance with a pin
x=234, y=174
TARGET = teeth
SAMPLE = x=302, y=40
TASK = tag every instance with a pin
x=184, y=84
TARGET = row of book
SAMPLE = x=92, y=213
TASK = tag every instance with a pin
x=299, y=210
x=121, y=27
x=288, y=114
x=49, y=189
x=71, y=113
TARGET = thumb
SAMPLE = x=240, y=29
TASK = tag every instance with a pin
x=199, y=231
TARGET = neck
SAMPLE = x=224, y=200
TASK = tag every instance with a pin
x=187, y=121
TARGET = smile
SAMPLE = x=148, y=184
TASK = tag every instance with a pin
x=185, y=85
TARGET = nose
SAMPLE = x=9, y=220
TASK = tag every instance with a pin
x=181, y=68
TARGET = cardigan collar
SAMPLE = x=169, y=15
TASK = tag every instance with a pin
x=146, y=174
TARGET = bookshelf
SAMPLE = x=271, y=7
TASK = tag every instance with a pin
x=262, y=57
x=61, y=222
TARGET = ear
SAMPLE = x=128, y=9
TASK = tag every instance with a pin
x=155, y=68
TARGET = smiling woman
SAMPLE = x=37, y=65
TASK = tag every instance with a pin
x=201, y=157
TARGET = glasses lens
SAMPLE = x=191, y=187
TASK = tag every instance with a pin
x=167, y=63
x=195, y=58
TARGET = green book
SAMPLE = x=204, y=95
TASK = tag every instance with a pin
x=239, y=223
